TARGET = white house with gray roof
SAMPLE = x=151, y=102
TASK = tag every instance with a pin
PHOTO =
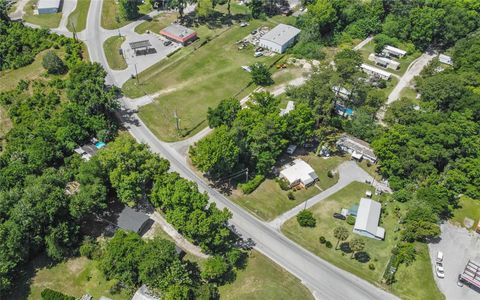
x=279, y=38
x=368, y=216
x=48, y=6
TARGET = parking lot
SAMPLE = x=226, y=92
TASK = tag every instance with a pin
x=458, y=246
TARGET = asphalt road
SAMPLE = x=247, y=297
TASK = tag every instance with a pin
x=323, y=279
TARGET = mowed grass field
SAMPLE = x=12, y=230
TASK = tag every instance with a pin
x=110, y=14
x=263, y=279
x=407, y=286
x=77, y=20
x=46, y=20
x=467, y=208
x=269, y=200
x=195, y=80
x=157, y=23
x=114, y=58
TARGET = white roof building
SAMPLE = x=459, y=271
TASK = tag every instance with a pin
x=289, y=108
x=48, y=6
x=368, y=216
x=384, y=62
x=394, y=51
x=445, y=59
x=358, y=148
x=299, y=172
x=375, y=72
x=341, y=92
x=279, y=38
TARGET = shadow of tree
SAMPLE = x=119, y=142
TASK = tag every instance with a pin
x=362, y=257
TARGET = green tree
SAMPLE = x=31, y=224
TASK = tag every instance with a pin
x=256, y=7
x=224, y=114
x=128, y=9
x=341, y=234
x=215, y=269
x=300, y=124
x=261, y=74
x=305, y=219
x=405, y=253
x=53, y=64
x=347, y=63
x=217, y=154
x=356, y=245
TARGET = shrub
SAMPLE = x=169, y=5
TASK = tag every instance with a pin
x=322, y=240
x=371, y=267
x=90, y=248
x=305, y=219
x=330, y=174
x=48, y=294
x=290, y=195
x=308, y=50
x=328, y=244
x=53, y=64
x=249, y=186
x=350, y=220
x=261, y=74
x=283, y=184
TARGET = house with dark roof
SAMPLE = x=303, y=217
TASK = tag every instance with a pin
x=131, y=219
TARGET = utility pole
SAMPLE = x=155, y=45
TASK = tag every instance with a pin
x=246, y=175
x=177, y=120
x=74, y=31
x=136, y=74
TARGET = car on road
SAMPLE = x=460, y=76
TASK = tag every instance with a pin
x=339, y=216
x=439, y=256
x=167, y=43
x=440, y=270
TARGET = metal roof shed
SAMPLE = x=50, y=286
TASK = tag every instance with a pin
x=131, y=219
x=48, y=6
x=368, y=216
x=279, y=38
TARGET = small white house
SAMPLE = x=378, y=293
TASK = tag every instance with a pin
x=368, y=216
x=48, y=6
x=392, y=51
x=375, y=72
x=279, y=38
x=445, y=59
x=384, y=62
x=289, y=108
x=300, y=173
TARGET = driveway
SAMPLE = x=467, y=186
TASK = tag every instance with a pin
x=458, y=246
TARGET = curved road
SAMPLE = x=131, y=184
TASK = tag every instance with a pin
x=323, y=279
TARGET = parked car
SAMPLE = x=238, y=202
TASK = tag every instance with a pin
x=339, y=216
x=440, y=270
x=167, y=43
x=253, y=32
x=439, y=256
x=259, y=49
x=258, y=54
x=243, y=24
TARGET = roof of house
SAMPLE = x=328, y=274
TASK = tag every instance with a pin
x=48, y=4
x=368, y=216
x=178, y=32
x=131, y=219
x=355, y=144
x=341, y=90
x=445, y=59
x=395, y=50
x=375, y=70
x=281, y=34
x=299, y=170
x=143, y=293
x=383, y=60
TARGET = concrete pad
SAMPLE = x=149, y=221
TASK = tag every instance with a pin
x=458, y=246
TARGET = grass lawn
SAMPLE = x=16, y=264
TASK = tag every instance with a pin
x=157, y=23
x=77, y=20
x=47, y=20
x=74, y=277
x=408, y=92
x=378, y=251
x=115, y=60
x=467, y=208
x=404, y=62
x=263, y=279
x=110, y=15
x=195, y=82
x=372, y=169
x=269, y=200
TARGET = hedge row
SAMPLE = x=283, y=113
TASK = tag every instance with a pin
x=252, y=184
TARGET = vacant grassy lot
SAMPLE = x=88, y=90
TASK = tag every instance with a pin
x=409, y=93
x=47, y=20
x=269, y=200
x=467, y=208
x=404, y=62
x=195, y=81
x=378, y=252
x=111, y=18
x=263, y=279
x=74, y=277
x=114, y=58
x=77, y=20
x=157, y=23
